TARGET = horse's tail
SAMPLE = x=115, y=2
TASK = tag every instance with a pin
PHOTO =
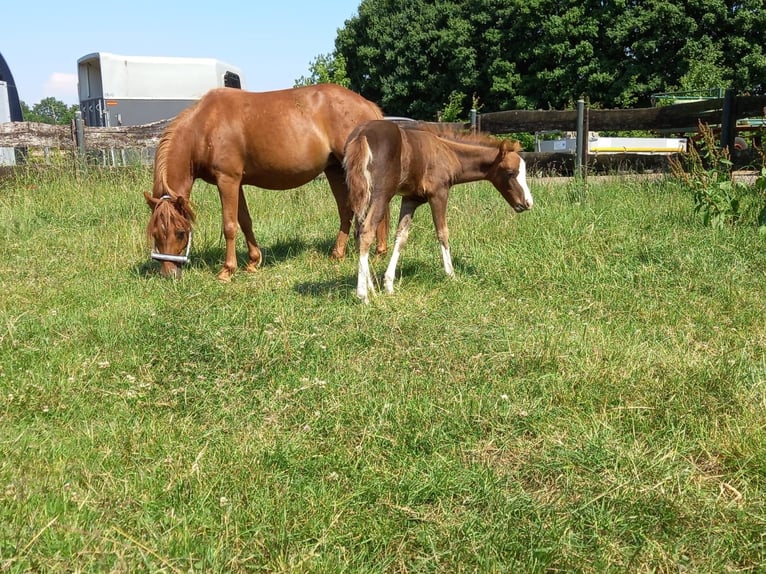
x=356, y=162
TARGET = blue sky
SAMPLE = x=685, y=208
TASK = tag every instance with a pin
x=273, y=42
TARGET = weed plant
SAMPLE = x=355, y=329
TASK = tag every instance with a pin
x=588, y=394
x=719, y=199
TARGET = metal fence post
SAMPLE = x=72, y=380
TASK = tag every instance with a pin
x=729, y=121
x=582, y=141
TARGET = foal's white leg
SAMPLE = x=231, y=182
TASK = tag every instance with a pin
x=364, y=284
x=388, y=278
x=447, y=259
x=402, y=233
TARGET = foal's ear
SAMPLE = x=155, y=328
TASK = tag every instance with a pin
x=510, y=146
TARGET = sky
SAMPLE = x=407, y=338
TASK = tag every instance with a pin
x=272, y=42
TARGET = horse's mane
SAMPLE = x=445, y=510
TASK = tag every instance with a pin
x=164, y=151
x=164, y=212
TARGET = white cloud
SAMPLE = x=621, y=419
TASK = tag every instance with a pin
x=62, y=87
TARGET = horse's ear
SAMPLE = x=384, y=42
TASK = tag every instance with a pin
x=184, y=206
x=151, y=201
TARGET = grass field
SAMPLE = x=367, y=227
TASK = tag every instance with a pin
x=588, y=395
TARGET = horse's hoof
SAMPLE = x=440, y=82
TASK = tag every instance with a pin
x=252, y=267
x=225, y=276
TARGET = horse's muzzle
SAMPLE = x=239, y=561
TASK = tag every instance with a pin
x=521, y=207
x=177, y=259
x=171, y=270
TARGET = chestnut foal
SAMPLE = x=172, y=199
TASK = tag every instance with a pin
x=384, y=159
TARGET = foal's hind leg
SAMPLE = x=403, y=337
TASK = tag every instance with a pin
x=364, y=283
x=337, y=180
x=246, y=225
x=409, y=205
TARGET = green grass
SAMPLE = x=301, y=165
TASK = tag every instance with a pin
x=587, y=395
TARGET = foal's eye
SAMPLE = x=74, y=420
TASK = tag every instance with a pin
x=180, y=235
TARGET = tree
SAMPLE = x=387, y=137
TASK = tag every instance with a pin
x=49, y=111
x=410, y=55
x=326, y=69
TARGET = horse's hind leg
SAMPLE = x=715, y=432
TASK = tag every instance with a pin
x=337, y=180
x=402, y=233
x=246, y=225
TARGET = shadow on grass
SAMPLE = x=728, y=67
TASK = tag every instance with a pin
x=211, y=258
x=333, y=289
x=415, y=273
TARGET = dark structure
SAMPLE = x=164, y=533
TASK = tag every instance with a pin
x=13, y=94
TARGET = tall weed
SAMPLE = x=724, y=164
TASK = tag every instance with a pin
x=719, y=199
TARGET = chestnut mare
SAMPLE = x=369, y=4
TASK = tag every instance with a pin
x=384, y=159
x=231, y=138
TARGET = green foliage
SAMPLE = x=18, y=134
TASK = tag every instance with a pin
x=326, y=69
x=409, y=55
x=705, y=69
x=49, y=111
x=586, y=396
x=719, y=199
x=453, y=109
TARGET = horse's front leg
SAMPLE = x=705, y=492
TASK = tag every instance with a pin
x=402, y=234
x=228, y=191
x=246, y=225
x=438, y=202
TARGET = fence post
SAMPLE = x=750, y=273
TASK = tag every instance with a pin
x=729, y=121
x=474, y=121
x=581, y=153
x=79, y=135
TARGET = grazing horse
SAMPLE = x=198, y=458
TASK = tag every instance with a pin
x=273, y=140
x=384, y=159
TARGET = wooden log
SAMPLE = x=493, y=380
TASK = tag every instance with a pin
x=31, y=134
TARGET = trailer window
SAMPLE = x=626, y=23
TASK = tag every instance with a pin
x=231, y=80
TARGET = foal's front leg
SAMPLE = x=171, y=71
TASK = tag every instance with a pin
x=402, y=233
x=439, y=213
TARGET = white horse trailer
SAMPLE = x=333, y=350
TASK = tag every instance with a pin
x=7, y=155
x=133, y=90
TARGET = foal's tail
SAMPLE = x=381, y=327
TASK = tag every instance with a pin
x=358, y=179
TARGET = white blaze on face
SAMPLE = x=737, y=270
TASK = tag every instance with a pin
x=522, y=179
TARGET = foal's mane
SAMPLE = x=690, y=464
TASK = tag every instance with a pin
x=452, y=133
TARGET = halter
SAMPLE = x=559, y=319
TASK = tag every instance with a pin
x=180, y=259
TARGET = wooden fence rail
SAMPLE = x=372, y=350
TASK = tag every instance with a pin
x=679, y=118
x=675, y=118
